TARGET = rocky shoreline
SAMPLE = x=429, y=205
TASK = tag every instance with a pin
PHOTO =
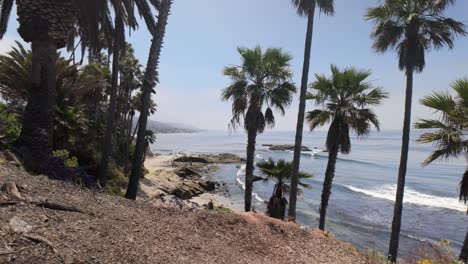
x=185, y=181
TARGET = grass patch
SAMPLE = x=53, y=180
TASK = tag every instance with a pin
x=221, y=209
x=376, y=257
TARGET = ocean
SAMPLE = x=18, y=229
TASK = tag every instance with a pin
x=361, y=205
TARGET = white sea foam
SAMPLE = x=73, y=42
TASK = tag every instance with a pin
x=241, y=173
x=411, y=196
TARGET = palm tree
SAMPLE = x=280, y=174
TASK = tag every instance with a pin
x=150, y=139
x=344, y=99
x=280, y=173
x=264, y=78
x=46, y=24
x=149, y=83
x=448, y=133
x=304, y=8
x=410, y=27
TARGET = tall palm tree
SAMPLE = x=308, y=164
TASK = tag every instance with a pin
x=410, y=27
x=264, y=78
x=304, y=8
x=448, y=133
x=149, y=83
x=119, y=36
x=344, y=99
x=280, y=173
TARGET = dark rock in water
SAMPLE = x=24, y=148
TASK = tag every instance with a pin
x=284, y=147
x=187, y=173
x=224, y=158
x=208, y=185
x=191, y=159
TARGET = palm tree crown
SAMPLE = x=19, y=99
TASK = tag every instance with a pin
x=448, y=132
x=263, y=78
x=344, y=98
x=280, y=172
x=411, y=27
x=305, y=7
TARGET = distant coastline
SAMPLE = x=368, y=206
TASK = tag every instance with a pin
x=168, y=127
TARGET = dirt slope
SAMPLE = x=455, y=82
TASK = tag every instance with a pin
x=114, y=230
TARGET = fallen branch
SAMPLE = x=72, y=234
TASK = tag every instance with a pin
x=58, y=207
x=41, y=239
x=7, y=252
x=7, y=203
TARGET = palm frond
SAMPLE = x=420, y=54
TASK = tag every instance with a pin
x=318, y=118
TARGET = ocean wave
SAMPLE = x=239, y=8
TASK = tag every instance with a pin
x=387, y=192
x=241, y=173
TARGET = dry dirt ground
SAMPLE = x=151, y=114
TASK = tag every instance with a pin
x=110, y=229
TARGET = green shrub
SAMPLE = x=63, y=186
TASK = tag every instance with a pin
x=70, y=162
x=117, y=181
x=434, y=253
x=10, y=126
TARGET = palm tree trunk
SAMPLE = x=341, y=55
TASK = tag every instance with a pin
x=136, y=129
x=107, y=144
x=149, y=83
x=301, y=115
x=327, y=184
x=276, y=206
x=249, y=168
x=464, y=250
x=398, y=209
x=38, y=119
x=128, y=143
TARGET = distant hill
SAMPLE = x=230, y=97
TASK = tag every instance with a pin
x=167, y=128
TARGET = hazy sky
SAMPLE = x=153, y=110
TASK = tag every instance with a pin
x=202, y=37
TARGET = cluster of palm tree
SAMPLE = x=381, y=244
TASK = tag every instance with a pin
x=60, y=103
x=410, y=27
